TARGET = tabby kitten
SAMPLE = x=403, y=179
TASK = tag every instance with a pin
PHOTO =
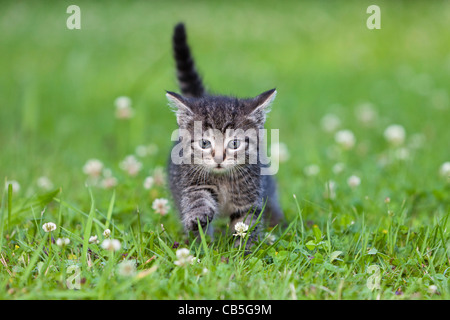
x=215, y=181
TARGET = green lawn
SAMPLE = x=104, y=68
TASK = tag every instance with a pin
x=57, y=94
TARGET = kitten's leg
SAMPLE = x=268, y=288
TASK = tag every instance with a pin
x=272, y=211
x=198, y=205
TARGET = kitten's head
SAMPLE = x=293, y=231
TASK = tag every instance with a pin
x=223, y=131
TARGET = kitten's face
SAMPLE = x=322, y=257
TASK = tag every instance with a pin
x=221, y=151
x=223, y=131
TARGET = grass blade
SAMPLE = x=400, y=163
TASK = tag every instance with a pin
x=87, y=232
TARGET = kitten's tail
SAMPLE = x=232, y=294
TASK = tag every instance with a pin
x=189, y=80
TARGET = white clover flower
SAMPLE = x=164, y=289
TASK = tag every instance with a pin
x=159, y=176
x=241, y=229
x=111, y=244
x=330, y=190
x=107, y=173
x=93, y=168
x=184, y=257
x=15, y=185
x=94, y=239
x=148, y=182
x=402, y=154
x=432, y=289
x=280, y=151
x=123, y=108
x=62, y=242
x=330, y=122
x=161, y=206
x=122, y=102
x=345, y=138
x=444, y=170
x=311, y=170
x=109, y=182
x=270, y=238
x=338, y=168
x=417, y=140
x=152, y=149
x=395, y=134
x=126, y=268
x=44, y=183
x=182, y=253
x=144, y=151
x=49, y=227
x=131, y=165
x=141, y=151
x=366, y=113
x=383, y=160
x=353, y=181
x=107, y=233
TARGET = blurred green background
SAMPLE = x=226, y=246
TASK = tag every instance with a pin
x=58, y=86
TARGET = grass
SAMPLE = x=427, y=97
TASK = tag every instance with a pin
x=57, y=92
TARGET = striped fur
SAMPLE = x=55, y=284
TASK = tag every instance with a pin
x=199, y=191
x=188, y=79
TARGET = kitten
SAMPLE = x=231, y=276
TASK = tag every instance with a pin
x=219, y=177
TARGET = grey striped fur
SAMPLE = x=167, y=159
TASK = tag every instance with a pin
x=201, y=191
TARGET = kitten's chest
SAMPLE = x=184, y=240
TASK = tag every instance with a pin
x=225, y=199
x=229, y=199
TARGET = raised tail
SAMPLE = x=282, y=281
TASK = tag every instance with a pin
x=189, y=80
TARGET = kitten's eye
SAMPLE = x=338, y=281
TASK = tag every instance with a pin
x=234, y=144
x=205, y=144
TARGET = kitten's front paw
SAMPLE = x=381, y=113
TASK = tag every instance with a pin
x=193, y=219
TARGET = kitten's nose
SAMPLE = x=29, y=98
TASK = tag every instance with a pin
x=219, y=156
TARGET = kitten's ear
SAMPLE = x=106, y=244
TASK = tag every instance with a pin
x=261, y=106
x=179, y=105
